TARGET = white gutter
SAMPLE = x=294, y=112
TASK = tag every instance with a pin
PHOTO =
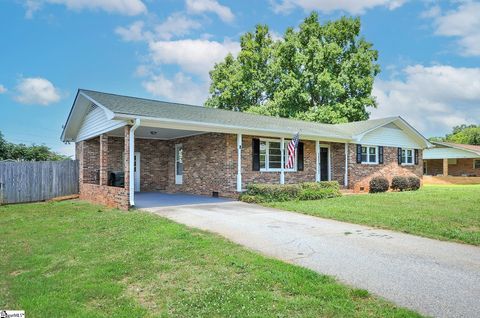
x=131, y=160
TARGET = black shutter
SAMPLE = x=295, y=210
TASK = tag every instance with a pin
x=399, y=156
x=359, y=153
x=380, y=155
x=255, y=154
x=416, y=156
x=300, y=156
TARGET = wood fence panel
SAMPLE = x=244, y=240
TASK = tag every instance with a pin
x=37, y=181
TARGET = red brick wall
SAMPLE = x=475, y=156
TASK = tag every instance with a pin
x=359, y=175
x=463, y=167
x=113, y=197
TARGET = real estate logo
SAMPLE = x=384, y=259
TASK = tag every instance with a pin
x=12, y=314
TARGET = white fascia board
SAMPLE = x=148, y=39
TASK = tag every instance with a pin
x=219, y=128
x=98, y=133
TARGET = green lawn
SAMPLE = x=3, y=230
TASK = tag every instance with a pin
x=441, y=212
x=73, y=259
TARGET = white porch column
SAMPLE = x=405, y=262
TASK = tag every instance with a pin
x=317, y=161
x=131, y=156
x=345, y=181
x=282, y=161
x=239, y=162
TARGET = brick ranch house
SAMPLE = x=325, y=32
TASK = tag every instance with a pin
x=450, y=159
x=126, y=145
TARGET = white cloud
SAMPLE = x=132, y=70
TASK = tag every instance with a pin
x=195, y=56
x=175, y=25
x=134, y=32
x=202, y=6
x=462, y=23
x=36, y=90
x=3, y=89
x=181, y=88
x=327, y=6
x=433, y=99
x=125, y=7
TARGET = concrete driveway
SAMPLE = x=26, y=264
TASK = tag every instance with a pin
x=432, y=277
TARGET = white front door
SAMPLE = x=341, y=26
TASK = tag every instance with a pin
x=136, y=171
x=178, y=164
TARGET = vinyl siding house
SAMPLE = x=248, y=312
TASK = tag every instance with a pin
x=450, y=159
x=127, y=145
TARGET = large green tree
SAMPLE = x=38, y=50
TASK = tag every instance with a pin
x=22, y=152
x=462, y=134
x=318, y=72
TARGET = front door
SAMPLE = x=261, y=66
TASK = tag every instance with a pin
x=324, y=163
x=178, y=164
x=136, y=171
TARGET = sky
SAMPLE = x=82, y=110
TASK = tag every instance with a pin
x=429, y=53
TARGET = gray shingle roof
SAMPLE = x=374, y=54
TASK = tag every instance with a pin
x=133, y=106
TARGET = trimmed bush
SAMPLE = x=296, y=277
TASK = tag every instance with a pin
x=400, y=183
x=379, y=184
x=413, y=183
x=257, y=193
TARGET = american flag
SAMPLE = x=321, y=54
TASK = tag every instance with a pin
x=292, y=147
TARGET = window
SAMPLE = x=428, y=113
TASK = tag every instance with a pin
x=369, y=154
x=476, y=164
x=407, y=156
x=271, y=155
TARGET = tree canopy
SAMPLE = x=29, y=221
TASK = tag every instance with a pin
x=462, y=134
x=22, y=152
x=318, y=72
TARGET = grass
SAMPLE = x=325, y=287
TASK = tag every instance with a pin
x=440, y=212
x=73, y=259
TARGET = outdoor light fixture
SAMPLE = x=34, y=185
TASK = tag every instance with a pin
x=153, y=132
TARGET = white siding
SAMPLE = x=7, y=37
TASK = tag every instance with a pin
x=445, y=152
x=392, y=136
x=96, y=123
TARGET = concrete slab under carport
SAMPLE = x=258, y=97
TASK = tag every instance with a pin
x=145, y=200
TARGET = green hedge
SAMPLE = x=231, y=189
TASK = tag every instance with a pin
x=261, y=192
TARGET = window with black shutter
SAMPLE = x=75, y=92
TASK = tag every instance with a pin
x=359, y=153
x=416, y=156
x=380, y=155
x=300, y=156
x=399, y=156
x=255, y=154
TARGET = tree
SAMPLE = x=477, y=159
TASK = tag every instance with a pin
x=462, y=134
x=321, y=73
x=22, y=152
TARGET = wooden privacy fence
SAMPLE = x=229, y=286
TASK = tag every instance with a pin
x=37, y=180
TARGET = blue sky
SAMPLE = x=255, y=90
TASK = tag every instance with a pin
x=163, y=49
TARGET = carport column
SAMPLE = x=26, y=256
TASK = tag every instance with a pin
x=239, y=162
x=317, y=161
x=103, y=159
x=445, y=167
x=345, y=179
x=126, y=159
x=282, y=161
x=131, y=154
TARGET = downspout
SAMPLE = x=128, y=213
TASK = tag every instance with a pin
x=131, y=160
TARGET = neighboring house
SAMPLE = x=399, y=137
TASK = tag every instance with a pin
x=449, y=159
x=127, y=144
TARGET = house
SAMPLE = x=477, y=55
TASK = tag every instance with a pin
x=127, y=144
x=450, y=159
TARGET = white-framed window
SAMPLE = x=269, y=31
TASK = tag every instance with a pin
x=271, y=155
x=408, y=156
x=476, y=164
x=369, y=154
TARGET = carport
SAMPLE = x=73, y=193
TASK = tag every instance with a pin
x=160, y=199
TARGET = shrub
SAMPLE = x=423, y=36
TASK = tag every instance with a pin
x=379, y=184
x=400, y=183
x=274, y=192
x=257, y=193
x=413, y=183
